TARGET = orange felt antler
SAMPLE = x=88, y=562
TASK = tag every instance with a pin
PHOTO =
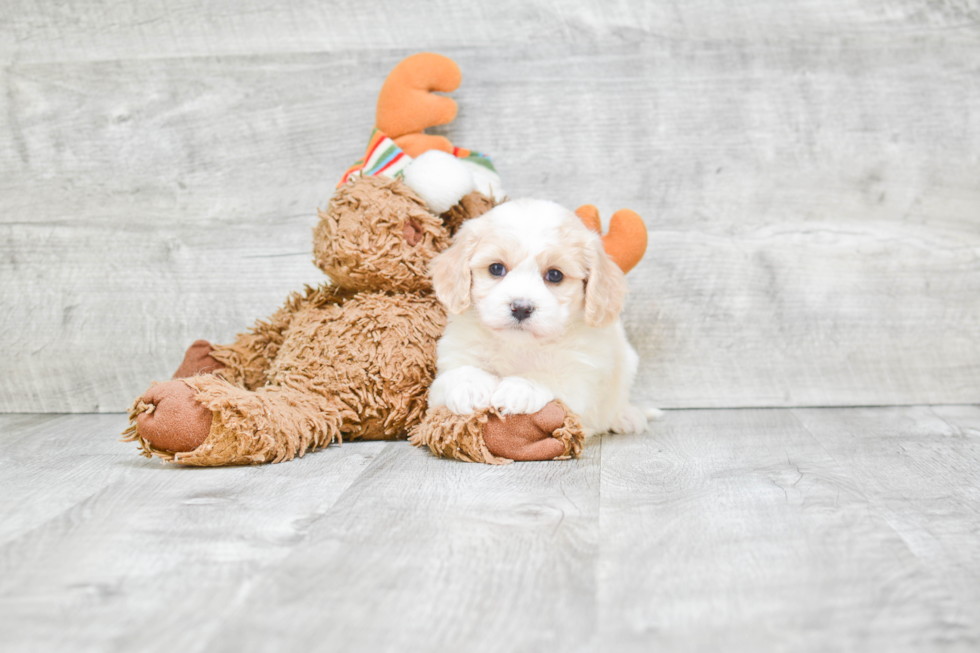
x=626, y=241
x=406, y=104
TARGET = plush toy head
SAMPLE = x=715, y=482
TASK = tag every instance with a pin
x=398, y=207
x=378, y=235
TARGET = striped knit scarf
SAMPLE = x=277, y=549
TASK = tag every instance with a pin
x=383, y=157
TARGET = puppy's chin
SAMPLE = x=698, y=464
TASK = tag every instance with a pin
x=520, y=335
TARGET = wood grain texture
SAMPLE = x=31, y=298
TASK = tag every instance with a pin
x=807, y=171
x=160, y=557
x=743, y=530
x=93, y=30
x=808, y=315
x=429, y=554
x=919, y=468
x=737, y=530
x=101, y=548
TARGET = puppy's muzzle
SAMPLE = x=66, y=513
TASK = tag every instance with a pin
x=521, y=309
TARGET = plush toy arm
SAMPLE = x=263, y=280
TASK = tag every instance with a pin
x=553, y=433
x=247, y=360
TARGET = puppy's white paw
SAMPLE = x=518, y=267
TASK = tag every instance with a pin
x=518, y=396
x=631, y=420
x=463, y=390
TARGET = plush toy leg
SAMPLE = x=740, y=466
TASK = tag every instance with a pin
x=168, y=419
x=553, y=433
x=198, y=360
x=272, y=424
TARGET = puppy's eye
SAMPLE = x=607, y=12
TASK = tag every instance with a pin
x=498, y=269
x=554, y=276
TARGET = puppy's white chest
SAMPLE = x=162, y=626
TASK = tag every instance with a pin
x=543, y=364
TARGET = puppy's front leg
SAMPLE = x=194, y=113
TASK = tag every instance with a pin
x=463, y=390
x=518, y=396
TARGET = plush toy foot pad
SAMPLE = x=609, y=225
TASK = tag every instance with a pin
x=526, y=437
x=174, y=420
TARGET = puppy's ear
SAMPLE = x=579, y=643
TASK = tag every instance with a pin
x=605, y=288
x=450, y=272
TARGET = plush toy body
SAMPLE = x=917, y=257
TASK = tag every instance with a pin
x=354, y=359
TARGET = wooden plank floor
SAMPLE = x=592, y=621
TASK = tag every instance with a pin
x=737, y=530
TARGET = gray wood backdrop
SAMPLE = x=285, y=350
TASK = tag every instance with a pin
x=809, y=172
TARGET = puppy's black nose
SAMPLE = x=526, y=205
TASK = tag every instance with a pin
x=521, y=310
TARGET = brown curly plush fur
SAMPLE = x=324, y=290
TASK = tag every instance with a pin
x=352, y=360
x=360, y=241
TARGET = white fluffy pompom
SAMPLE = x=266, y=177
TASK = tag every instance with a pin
x=440, y=179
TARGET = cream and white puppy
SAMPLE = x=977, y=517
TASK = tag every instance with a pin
x=534, y=305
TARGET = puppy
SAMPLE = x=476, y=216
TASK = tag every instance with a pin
x=534, y=305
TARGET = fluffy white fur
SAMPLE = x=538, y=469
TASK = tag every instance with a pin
x=572, y=345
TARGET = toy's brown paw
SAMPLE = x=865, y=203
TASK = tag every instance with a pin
x=176, y=422
x=197, y=360
x=526, y=437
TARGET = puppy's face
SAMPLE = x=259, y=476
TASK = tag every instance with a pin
x=529, y=268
